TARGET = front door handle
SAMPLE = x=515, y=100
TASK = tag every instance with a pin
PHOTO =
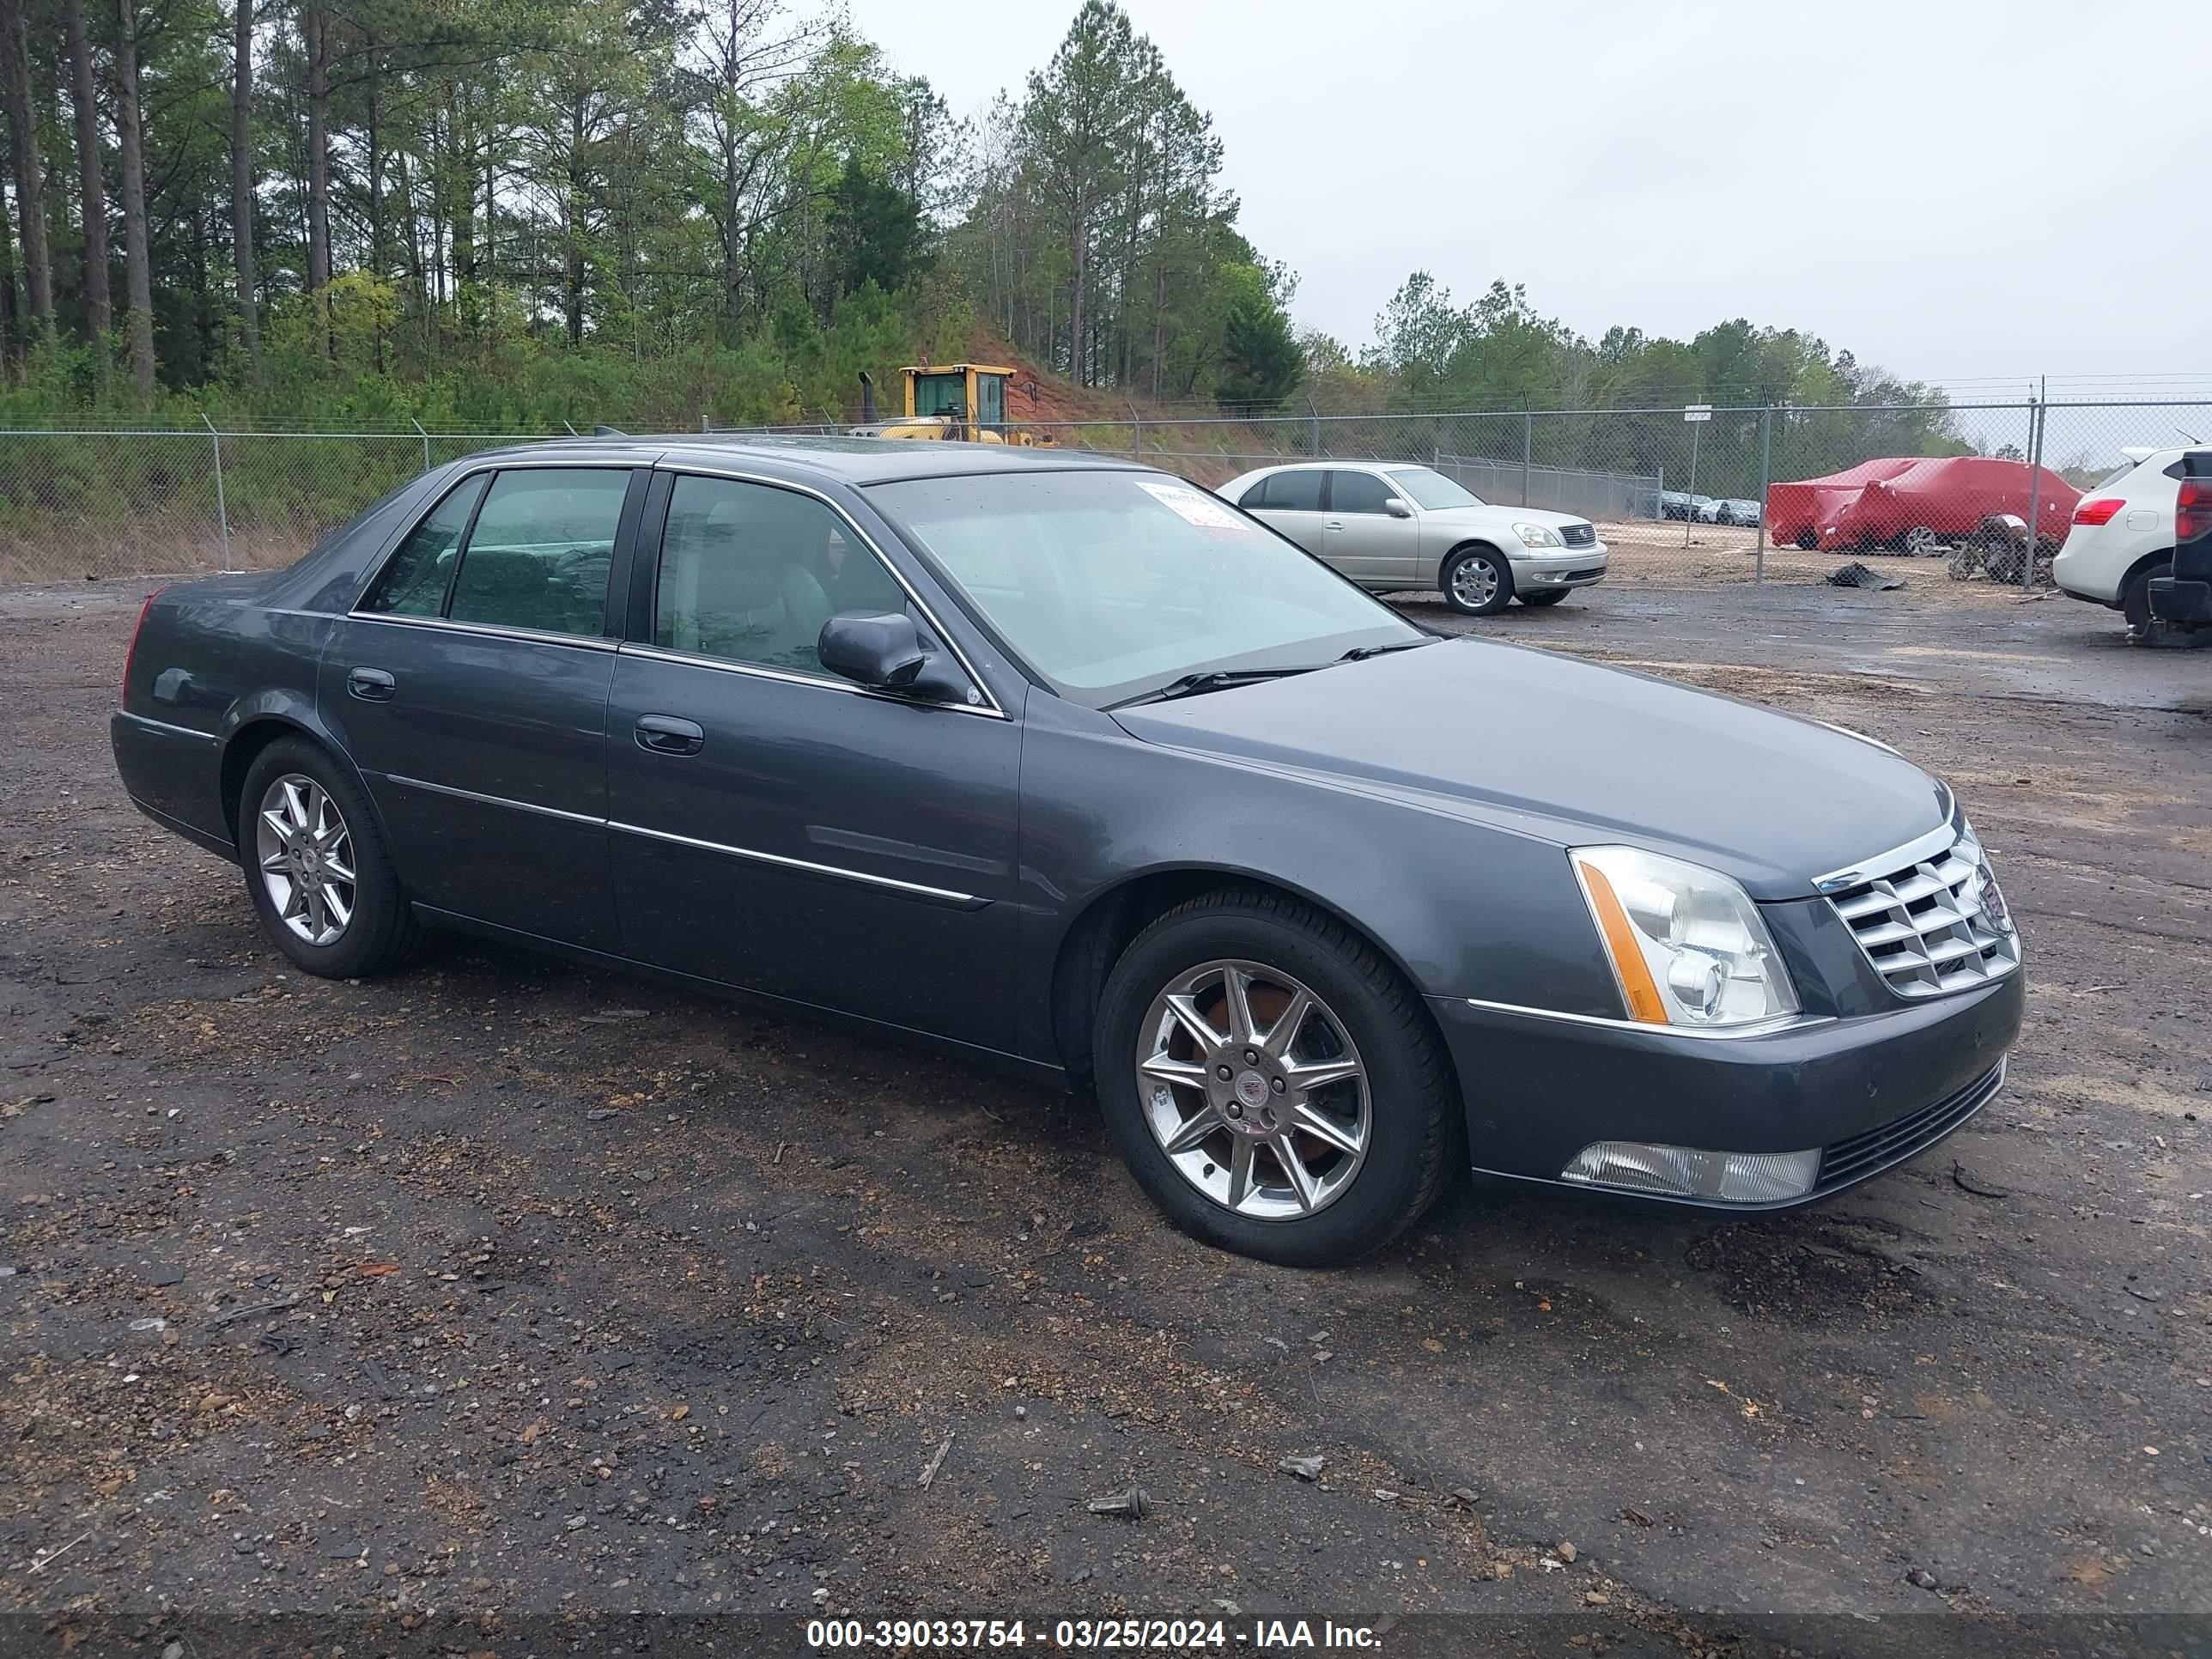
x=664, y=734
x=370, y=684
x=1333, y=524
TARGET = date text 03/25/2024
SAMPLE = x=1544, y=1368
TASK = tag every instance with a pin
x=1091, y=1635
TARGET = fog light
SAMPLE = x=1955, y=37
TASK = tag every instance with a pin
x=1631, y=1166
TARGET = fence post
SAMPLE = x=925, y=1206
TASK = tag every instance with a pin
x=418, y=425
x=1527, y=450
x=221, y=507
x=1659, y=501
x=1765, y=481
x=2038, y=414
x=1314, y=408
x=1136, y=434
x=1690, y=506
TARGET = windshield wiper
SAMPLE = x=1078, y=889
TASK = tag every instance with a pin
x=1212, y=679
x=1361, y=653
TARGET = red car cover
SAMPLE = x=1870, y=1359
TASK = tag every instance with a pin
x=1879, y=502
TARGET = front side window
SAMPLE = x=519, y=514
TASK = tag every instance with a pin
x=541, y=551
x=749, y=573
x=1432, y=490
x=414, y=582
x=1112, y=584
x=1357, y=492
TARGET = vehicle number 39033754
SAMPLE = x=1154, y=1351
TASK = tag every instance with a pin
x=1071, y=1635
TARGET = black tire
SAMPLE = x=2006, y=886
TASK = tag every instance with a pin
x=1807, y=540
x=381, y=931
x=1549, y=596
x=2143, y=629
x=1416, y=1127
x=1501, y=594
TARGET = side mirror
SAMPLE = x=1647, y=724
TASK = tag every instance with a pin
x=885, y=654
x=1397, y=508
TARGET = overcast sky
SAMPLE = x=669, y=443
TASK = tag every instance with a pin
x=1967, y=193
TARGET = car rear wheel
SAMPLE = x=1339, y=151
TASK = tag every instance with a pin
x=1478, y=581
x=315, y=866
x=1549, y=596
x=2143, y=629
x=1273, y=1084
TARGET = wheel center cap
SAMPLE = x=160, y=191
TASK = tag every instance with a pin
x=1251, y=1090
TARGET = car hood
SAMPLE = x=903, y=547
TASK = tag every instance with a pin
x=1575, y=753
x=1491, y=514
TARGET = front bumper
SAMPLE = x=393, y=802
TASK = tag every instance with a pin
x=1575, y=567
x=1868, y=1092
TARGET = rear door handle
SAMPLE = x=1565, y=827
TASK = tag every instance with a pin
x=370, y=684
x=664, y=734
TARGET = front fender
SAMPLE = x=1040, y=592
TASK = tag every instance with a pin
x=1464, y=908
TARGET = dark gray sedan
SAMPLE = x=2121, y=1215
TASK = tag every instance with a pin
x=1065, y=765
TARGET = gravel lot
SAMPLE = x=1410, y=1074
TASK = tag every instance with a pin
x=503, y=1289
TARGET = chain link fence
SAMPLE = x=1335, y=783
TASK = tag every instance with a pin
x=1783, y=493
x=90, y=503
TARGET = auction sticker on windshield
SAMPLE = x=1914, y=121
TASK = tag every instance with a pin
x=1195, y=506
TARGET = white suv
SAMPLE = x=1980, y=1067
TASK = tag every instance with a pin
x=2123, y=536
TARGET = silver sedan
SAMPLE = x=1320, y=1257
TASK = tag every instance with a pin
x=1392, y=527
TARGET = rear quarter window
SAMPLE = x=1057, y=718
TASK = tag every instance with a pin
x=413, y=582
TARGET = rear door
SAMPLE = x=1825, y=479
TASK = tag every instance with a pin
x=1362, y=538
x=469, y=687
x=778, y=828
x=1291, y=501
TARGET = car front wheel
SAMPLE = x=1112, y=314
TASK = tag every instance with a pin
x=1549, y=596
x=1273, y=1084
x=1477, y=581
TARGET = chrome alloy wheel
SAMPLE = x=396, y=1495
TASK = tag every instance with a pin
x=1255, y=1090
x=305, y=853
x=1474, y=580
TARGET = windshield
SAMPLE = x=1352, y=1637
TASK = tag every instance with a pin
x=1431, y=490
x=1110, y=584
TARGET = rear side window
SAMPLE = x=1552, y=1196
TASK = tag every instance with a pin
x=1357, y=492
x=541, y=551
x=1293, y=492
x=414, y=583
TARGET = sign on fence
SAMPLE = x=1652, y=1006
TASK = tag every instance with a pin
x=1696, y=411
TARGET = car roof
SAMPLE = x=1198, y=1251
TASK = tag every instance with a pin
x=1334, y=463
x=847, y=460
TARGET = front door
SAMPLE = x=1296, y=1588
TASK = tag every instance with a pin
x=777, y=829
x=469, y=687
x=1366, y=541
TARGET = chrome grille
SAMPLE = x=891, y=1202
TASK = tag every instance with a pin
x=1935, y=923
x=1579, y=535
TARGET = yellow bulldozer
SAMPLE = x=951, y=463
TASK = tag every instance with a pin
x=953, y=402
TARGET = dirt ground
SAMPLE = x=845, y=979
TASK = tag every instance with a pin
x=501, y=1297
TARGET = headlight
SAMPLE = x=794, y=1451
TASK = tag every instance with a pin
x=1687, y=945
x=1537, y=535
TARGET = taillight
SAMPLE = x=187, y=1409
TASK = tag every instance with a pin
x=2192, y=510
x=2099, y=511
x=130, y=655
